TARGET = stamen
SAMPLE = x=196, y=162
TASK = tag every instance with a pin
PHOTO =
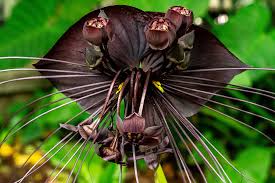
x=160, y=25
x=97, y=22
x=121, y=94
x=157, y=84
x=119, y=87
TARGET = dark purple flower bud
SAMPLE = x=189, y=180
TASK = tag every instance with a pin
x=134, y=124
x=160, y=33
x=94, y=30
x=181, y=17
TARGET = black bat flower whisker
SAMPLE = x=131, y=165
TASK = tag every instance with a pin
x=77, y=160
x=43, y=59
x=44, y=70
x=11, y=132
x=241, y=122
x=219, y=103
x=58, y=92
x=220, y=154
x=63, y=158
x=196, y=133
x=90, y=146
x=184, y=121
x=85, y=141
x=53, y=102
x=222, y=96
x=190, y=152
x=227, y=68
x=48, y=152
x=135, y=163
x=69, y=160
x=55, y=131
x=178, y=155
x=198, y=83
x=219, y=168
x=46, y=77
x=243, y=88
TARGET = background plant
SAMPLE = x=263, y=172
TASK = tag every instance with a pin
x=34, y=26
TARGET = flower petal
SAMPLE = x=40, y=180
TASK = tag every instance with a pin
x=208, y=53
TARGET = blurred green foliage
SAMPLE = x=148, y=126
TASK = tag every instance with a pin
x=36, y=25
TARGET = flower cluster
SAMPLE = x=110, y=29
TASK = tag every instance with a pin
x=149, y=60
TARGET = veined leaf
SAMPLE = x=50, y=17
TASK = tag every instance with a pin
x=33, y=31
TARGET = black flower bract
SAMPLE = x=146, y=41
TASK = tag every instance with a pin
x=142, y=53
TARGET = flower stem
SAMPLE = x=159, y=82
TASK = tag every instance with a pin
x=160, y=176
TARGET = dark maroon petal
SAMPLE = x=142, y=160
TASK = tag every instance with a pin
x=71, y=47
x=207, y=53
x=160, y=33
x=127, y=44
x=183, y=103
x=164, y=143
x=107, y=141
x=83, y=133
x=119, y=125
x=134, y=124
x=153, y=131
x=150, y=115
x=151, y=161
x=109, y=154
x=153, y=61
x=90, y=103
x=150, y=141
x=69, y=127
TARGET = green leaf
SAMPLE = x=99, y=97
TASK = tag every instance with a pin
x=242, y=79
x=39, y=28
x=238, y=37
x=254, y=162
x=262, y=50
x=246, y=36
x=199, y=7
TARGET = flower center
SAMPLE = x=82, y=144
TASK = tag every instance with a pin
x=182, y=11
x=97, y=22
x=160, y=25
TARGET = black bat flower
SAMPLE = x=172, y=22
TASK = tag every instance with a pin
x=144, y=55
x=159, y=65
